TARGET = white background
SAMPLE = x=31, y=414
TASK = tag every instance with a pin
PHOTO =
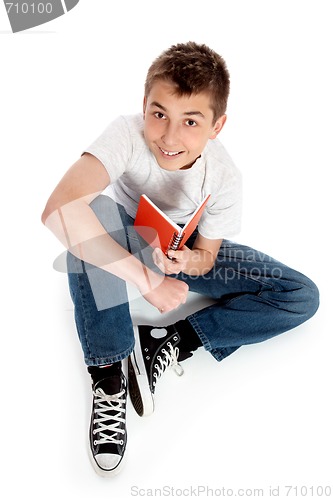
x=263, y=417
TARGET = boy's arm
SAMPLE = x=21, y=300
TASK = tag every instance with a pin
x=195, y=262
x=68, y=215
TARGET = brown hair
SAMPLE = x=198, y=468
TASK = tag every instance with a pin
x=193, y=68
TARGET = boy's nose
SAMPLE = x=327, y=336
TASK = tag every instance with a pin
x=170, y=136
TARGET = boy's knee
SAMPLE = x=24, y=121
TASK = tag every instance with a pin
x=110, y=215
x=310, y=298
x=104, y=208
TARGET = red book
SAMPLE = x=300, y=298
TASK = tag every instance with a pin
x=159, y=230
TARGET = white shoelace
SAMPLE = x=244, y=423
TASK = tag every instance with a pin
x=106, y=403
x=170, y=359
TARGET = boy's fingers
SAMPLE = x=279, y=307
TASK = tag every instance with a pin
x=171, y=254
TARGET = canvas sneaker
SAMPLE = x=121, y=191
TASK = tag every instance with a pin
x=108, y=426
x=155, y=350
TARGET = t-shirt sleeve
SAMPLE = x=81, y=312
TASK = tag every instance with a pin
x=222, y=217
x=113, y=148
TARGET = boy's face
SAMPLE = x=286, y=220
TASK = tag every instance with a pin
x=177, y=129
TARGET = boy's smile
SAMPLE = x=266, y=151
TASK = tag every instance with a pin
x=177, y=129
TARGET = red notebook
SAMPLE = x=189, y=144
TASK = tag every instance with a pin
x=159, y=230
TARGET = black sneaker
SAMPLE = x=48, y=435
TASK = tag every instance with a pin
x=155, y=350
x=108, y=427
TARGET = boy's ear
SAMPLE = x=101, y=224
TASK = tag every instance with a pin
x=144, y=106
x=218, y=126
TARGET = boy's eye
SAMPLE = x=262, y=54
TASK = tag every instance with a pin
x=159, y=115
x=191, y=123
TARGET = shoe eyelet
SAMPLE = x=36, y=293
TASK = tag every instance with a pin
x=147, y=358
x=146, y=349
x=121, y=442
x=175, y=337
x=95, y=443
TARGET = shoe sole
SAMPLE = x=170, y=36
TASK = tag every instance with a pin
x=139, y=390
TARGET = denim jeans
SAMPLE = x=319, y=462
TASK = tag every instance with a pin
x=256, y=296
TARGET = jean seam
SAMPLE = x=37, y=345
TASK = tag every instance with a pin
x=205, y=342
x=218, y=353
x=86, y=311
x=96, y=361
x=221, y=354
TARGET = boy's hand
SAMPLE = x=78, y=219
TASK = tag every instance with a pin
x=175, y=262
x=197, y=261
x=168, y=295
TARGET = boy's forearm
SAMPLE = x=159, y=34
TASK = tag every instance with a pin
x=104, y=252
x=79, y=230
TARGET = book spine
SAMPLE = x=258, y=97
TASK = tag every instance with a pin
x=175, y=241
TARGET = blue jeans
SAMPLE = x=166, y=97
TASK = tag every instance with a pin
x=256, y=296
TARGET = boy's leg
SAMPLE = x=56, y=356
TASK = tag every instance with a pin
x=100, y=300
x=256, y=296
x=105, y=331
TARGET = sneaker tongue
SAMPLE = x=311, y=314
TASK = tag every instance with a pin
x=110, y=385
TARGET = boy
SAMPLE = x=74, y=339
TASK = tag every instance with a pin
x=172, y=155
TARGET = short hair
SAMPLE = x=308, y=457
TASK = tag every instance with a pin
x=193, y=68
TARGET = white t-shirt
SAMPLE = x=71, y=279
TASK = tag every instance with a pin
x=134, y=170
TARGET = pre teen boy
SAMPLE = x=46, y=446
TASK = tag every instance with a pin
x=169, y=153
